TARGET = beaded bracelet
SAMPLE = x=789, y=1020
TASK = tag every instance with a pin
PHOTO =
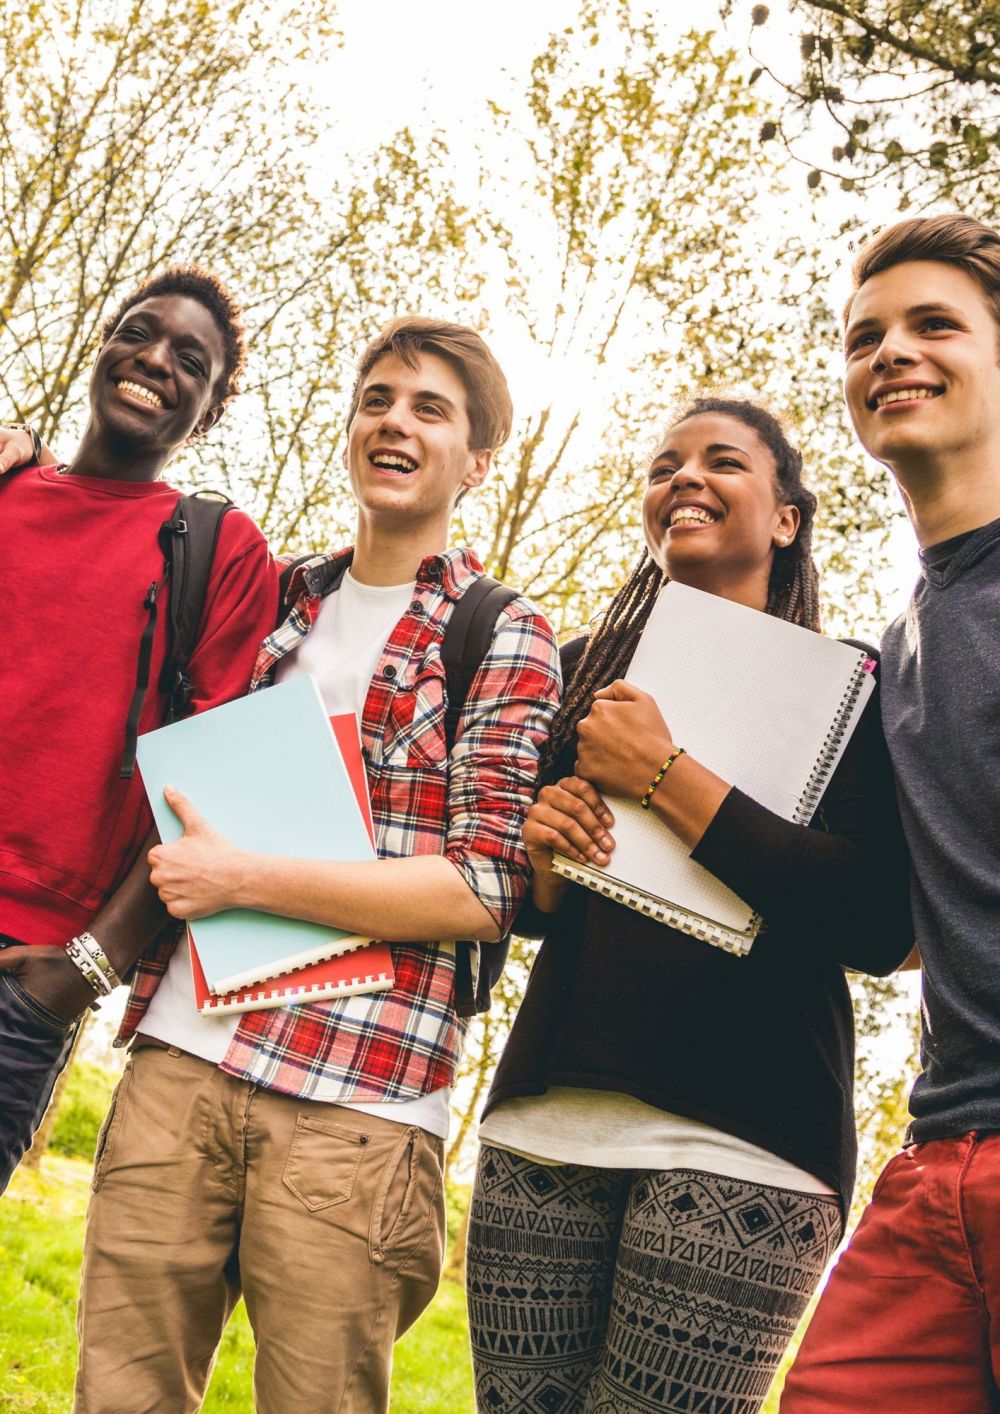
x=677, y=751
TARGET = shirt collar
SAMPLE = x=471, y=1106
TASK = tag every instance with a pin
x=453, y=569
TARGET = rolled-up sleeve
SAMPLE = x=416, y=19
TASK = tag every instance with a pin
x=493, y=768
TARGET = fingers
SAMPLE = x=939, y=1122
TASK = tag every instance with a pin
x=16, y=450
x=183, y=809
x=618, y=691
x=591, y=797
x=570, y=817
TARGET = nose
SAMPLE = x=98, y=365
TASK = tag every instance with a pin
x=396, y=418
x=687, y=474
x=893, y=352
x=154, y=358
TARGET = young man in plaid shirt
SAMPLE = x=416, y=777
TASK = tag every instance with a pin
x=297, y=1155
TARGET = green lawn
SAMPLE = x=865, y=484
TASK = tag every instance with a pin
x=41, y=1221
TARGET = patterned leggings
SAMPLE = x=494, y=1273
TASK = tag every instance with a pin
x=601, y=1291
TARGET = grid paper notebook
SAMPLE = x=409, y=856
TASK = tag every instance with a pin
x=764, y=704
x=266, y=772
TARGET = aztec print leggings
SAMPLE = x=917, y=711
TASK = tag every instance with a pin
x=605, y=1291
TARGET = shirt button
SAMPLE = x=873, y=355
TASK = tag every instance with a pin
x=416, y=607
x=434, y=571
x=389, y=671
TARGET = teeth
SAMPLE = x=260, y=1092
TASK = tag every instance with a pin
x=904, y=395
x=147, y=395
x=690, y=515
x=394, y=463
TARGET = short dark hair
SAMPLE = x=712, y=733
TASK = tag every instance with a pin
x=201, y=285
x=952, y=239
x=489, y=407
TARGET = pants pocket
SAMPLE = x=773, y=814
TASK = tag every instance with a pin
x=323, y=1162
x=47, y=1023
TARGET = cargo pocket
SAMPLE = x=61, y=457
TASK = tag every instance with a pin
x=323, y=1163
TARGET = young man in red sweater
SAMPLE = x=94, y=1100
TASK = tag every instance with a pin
x=81, y=551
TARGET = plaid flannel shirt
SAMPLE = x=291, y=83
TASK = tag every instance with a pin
x=404, y=1043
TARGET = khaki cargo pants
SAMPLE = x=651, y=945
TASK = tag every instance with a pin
x=330, y=1223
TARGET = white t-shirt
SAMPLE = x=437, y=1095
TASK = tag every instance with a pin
x=607, y=1129
x=341, y=652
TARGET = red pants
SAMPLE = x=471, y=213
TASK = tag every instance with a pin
x=909, y=1322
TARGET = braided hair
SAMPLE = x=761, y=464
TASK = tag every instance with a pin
x=792, y=593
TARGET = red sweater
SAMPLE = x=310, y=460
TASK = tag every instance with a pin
x=77, y=556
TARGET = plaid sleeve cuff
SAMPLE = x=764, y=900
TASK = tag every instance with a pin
x=494, y=766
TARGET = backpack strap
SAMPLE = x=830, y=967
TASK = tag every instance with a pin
x=468, y=635
x=467, y=638
x=188, y=541
x=285, y=583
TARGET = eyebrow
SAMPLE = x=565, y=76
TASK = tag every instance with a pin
x=187, y=339
x=426, y=395
x=712, y=447
x=872, y=323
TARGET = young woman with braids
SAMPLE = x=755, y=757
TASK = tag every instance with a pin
x=668, y=1146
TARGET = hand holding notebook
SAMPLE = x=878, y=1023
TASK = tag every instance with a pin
x=266, y=772
x=766, y=706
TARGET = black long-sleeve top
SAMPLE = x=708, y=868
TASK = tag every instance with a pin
x=761, y=1046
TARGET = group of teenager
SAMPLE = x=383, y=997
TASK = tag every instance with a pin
x=668, y=1148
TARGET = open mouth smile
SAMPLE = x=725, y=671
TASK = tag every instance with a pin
x=394, y=463
x=690, y=517
x=136, y=390
x=902, y=395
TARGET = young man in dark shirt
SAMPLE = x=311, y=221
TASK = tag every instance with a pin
x=909, y=1320
x=81, y=550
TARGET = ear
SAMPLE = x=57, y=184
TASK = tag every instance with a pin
x=476, y=475
x=786, y=527
x=208, y=420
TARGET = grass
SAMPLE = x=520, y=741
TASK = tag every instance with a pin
x=41, y=1232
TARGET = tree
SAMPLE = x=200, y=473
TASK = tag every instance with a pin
x=125, y=147
x=910, y=90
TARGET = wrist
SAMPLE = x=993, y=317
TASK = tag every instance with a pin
x=547, y=890
x=672, y=756
x=245, y=882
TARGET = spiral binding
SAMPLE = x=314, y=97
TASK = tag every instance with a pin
x=264, y=998
x=830, y=750
x=729, y=939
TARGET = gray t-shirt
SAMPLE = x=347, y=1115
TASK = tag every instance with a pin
x=941, y=711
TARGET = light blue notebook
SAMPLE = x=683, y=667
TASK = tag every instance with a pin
x=266, y=772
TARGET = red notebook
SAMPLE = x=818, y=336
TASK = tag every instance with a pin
x=367, y=969
x=352, y=974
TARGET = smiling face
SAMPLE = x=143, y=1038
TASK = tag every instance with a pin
x=712, y=515
x=155, y=379
x=408, y=451
x=922, y=381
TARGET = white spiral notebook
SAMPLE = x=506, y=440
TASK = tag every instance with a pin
x=764, y=704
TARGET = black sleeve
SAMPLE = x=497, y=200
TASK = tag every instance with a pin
x=840, y=886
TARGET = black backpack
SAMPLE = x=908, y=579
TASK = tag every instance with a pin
x=467, y=638
x=188, y=541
